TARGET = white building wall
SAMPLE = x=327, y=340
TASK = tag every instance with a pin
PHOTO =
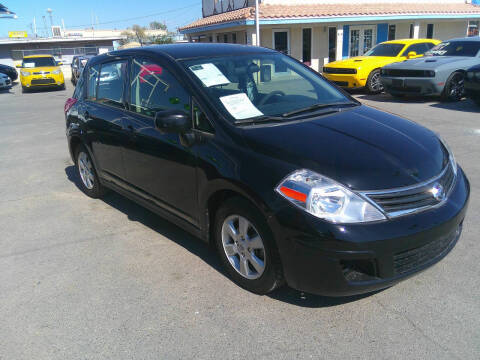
x=304, y=2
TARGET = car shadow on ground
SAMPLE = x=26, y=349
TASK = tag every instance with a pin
x=465, y=105
x=383, y=97
x=207, y=253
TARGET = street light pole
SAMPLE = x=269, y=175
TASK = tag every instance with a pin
x=257, y=24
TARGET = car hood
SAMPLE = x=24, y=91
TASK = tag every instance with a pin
x=359, y=61
x=363, y=148
x=434, y=62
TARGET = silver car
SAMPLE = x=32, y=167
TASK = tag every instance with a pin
x=440, y=72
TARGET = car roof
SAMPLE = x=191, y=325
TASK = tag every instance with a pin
x=472, y=39
x=188, y=50
x=37, y=56
x=410, y=41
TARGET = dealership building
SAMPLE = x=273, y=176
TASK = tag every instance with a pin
x=318, y=32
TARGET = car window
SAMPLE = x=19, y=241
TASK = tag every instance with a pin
x=200, y=120
x=111, y=83
x=456, y=48
x=153, y=88
x=92, y=78
x=78, y=93
x=38, y=62
x=420, y=49
x=390, y=50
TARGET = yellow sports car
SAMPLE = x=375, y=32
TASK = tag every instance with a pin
x=364, y=71
x=40, y=71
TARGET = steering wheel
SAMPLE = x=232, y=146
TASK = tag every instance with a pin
x=270, y=95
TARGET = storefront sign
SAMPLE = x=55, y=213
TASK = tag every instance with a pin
x=17, y=34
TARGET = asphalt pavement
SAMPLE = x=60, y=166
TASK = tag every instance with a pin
x=107, y=279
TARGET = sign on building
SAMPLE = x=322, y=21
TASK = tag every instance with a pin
x=17, y=34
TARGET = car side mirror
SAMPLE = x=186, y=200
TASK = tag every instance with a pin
x=265, y=73
x=18, y=66
x=59, y=63
x=172, y=121
x=411, y=54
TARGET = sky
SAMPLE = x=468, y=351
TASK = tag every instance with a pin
x=109, y=14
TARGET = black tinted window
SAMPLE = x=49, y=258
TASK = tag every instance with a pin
x=153, y=88
x=391, y=50
x=200, y=120
x=110, y=83
x=92, y=78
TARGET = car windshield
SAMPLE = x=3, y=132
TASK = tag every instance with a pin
x=38, y=62
x=259, y=85
x=390, y=50
x=455, y=48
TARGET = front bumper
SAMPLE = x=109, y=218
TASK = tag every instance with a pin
x=349, y=81
x=472, y=89
x=412, y=86
x=43, y=81
x=343, y=260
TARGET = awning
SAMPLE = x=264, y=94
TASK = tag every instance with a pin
x=5, y=12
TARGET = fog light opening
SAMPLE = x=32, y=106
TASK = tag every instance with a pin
x=359, y=270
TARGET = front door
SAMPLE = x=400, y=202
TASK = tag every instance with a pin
x=158, y=166
x=362, y=39
x=103, y=113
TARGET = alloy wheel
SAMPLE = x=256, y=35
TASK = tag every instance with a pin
x=85, y=168
x=376, y=84
x=457, y=87
x=243, y=247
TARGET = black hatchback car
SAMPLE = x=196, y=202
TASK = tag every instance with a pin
x=288, y=176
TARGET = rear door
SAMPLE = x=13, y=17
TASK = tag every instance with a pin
x=104, y=115
x=159, y=165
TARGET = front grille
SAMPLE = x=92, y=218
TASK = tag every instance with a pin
x=41, y=73
x=341, y=83
x=407, y=73
x=43, y=81
x=406, y=200
x=408, y=260
x=330, y=70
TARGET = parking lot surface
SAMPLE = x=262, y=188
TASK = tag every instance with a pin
x=107, y=279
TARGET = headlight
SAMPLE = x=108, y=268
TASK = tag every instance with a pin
x=451, y=158
x=25, y=73
x=57, y=72
x=327, y=199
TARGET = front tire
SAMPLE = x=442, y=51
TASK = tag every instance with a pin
x=374, y=85
x=87, y=174
x=454, y=87
x=246, y=247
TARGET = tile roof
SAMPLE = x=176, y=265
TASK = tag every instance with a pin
x=335, y=10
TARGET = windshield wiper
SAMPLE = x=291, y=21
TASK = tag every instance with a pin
x=259, y=119
x=316, y=107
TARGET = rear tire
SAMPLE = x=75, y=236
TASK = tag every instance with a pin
x=87, y=173
x=454, y=87
x=246, y=247
x=374, y=85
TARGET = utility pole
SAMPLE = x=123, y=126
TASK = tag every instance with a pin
x=35, y=26
x=49, y=11
x=257, y=24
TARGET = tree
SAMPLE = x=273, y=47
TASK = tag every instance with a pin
x=162, y=39
x=155, y=25
x=135, y=33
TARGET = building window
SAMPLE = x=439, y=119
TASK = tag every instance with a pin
x=234, y=38
x=411, y=31
x=307, y=47
x=225, y=38
x=210, y=39
x=429, y=31
x=280, y=41
x=391, y=32
x=332, y=44
x=473, y=28
x=218, y=38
